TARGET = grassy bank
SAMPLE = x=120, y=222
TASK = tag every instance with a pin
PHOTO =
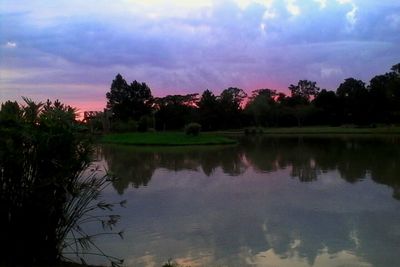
x=320, y=130
x=166, y=139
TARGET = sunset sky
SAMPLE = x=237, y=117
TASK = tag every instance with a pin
x=72, y=49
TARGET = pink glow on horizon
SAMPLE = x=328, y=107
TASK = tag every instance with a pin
x=98, y=103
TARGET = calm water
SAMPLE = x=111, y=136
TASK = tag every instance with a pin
x=267, y=202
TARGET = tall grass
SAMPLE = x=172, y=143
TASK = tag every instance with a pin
x=45, y=193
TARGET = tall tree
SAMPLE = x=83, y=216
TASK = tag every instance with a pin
x=353, y=101
x=327, y=104
x=117, y=98
x=208, y=111
x=230, y=109
x=141, y=98
x=261, y=107
x=304, y=89
x=129, y=101
x=174, y=111
x=385, y=92
x=298, y=104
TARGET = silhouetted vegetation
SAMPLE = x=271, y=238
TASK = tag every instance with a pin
x=193, y=128
x=46, y=190
x=353, y=103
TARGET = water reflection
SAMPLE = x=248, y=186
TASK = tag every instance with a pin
x=307, y=158
x=267, y=202
x=136, y=165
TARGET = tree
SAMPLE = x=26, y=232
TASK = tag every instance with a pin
x=233, y=97
x=298, y=103
x=117, y=98
x=327, y=104
x=230, y=110
x=129, y=101
x=396, y=69
x=175, y=111
x=10, y=113
x=353, y=100
x=141, y=99
x=304, y=90
x=261, y=107
x=208, y=111
x=385, y=92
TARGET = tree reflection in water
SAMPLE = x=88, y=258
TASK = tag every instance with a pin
x=302, y=200
x=307, y=157
x=135, y=165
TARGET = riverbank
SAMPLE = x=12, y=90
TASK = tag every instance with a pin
x=222, y=137
x=315, y=130
x=166, y=139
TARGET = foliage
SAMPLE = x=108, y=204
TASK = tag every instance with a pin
x=44, y=193
x=145, y=123
x=192, y=128
x=352, y=103
x=97, y=121
x=230, y=109
x=353, y=98
x=175, y=111
x=129, y=101
x=208, y=111
x=262, y=107
x=124, y=126
x=304, y=90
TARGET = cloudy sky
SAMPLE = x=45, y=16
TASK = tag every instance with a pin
x=72, y=49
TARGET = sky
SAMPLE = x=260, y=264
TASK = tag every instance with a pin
x=72, y=49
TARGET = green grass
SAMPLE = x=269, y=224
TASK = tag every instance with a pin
x=166, y=139
x=333, y=130
x=323, y=130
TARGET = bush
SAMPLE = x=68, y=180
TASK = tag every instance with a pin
x=45, y=193
x=253, y=130
x=123, y=127
x=145, y=123
x=193, y=128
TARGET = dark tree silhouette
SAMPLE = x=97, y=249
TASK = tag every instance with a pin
x=175, y=111
x=262, y=107
x=304, y=90
x=208, y=111
x=129, y=101
x=230, y=110
x=353, y=101
x=327, y=104
x=385, y=95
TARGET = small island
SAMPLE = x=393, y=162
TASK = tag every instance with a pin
x=166, y=139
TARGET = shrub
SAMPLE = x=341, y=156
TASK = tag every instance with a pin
x=45, y=193
x=145, y=123
x=193, y=128
x=123, y=127
x=253, y=130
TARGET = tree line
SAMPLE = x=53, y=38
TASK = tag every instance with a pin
x=132, y=106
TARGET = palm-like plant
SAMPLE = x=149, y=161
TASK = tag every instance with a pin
x=46, y=192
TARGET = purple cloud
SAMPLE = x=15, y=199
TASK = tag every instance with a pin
x=185, y=47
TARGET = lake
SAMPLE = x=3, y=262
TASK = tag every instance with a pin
x=270, y=201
